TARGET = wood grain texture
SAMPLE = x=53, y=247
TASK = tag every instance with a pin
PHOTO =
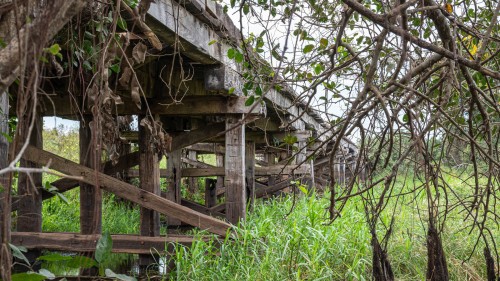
x=90, y=193
x=73, y=242
x=235, y=170
x=128, y=191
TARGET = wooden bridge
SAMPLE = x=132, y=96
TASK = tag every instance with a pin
x=192, y=100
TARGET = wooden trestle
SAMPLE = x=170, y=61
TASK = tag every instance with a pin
x=251, y=159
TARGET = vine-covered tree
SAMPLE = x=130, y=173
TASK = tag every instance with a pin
x=416, y=83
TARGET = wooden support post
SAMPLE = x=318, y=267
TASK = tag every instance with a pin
x=5, y=202
x=210, y=192
x=250, y=171
x=219, y=162
x=29, y=213
x=149, y=178
x=192, y=182
x=174, y=181
x=271, y=161
x=235, y=169
x=90, y=196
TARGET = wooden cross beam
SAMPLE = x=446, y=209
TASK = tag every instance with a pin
x=73, y=242
x=64, y=106
x=219, y=171
x=127, y=161
x=127, y=191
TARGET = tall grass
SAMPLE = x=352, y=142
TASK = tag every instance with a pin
x=275, y=245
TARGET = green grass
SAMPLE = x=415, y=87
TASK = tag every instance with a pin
x=274, y=244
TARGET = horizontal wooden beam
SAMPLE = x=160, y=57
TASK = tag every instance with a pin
x=73, y=242
x=219, y=171
x=195, y=163
x=126, y=191
x=211, y=148
x=196, y=105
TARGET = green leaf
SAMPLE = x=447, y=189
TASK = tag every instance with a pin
x=250, y=101
x=231, y=53
x=49, y=275
x=231, y=90
x=258, y=91
x=461, y=120
x=54, y=49
x=54, y=257
x=406, y=118
x=303, y=189
x=212, y=42
x=115, y=67
x=62, y=197
x=308, y=48
x=290, y=139
x=238, y=57
x=28, y=276
x=121, y=23
x=323, y=42
x=17, y=251
x=246, y=9
x=103, y=248
x=123, y=277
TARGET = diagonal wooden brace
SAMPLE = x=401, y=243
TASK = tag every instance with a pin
x=127, y=191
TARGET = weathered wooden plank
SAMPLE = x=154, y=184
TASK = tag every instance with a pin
x=173, y=175
x=29, y=215
x=220, y=171
x=219, y=162
x=250, y=171
x=272, y=189
x=127, y=191
x=210, y=192
x=124, y=162
x=188, y=106
x=197, y=135
x=192, y=182
x=196, y=163
x=132, y=159
x=234, y=166
x=149, y=179
x=211, y=148
x=73, y=242
x=5, y=191
x=90, y=195
x=200, y=208
x=167, y=18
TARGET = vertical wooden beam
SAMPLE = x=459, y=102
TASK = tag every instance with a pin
x=250, y=171
x=29, y=213
x=235, y=169
x=210, y=192
x=271, y=160
x=90, y=196
x=149, y=178
x=174, y=181
x=219, y=162
x=192, y=181
x=5, y=204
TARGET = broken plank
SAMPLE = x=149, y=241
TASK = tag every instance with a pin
x=127, y=191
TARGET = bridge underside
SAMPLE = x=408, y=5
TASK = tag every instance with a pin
x=189, y=104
